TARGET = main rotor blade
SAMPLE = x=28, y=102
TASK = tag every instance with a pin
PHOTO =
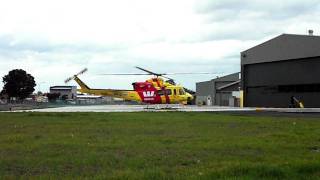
x=79, y=73
x=126, y=74
x=68, y=79
x=167, y=77
x=183, y=73
x=150, y=72
x=177, y=73
x=82, y=71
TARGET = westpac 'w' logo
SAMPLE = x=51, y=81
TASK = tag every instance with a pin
x=148, y=93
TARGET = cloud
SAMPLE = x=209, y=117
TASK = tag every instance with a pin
x=251, y=9
x=249, y=20
x=54, y=39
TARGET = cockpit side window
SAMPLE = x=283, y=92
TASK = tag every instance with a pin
x=181, y=91
x=168, y=91
x=160, y=92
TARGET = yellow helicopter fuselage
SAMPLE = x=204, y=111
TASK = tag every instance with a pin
x=152, y=91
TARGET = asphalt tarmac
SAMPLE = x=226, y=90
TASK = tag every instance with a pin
x=137, y=108
x=313, y=112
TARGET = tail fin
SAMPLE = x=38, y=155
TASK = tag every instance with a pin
x=81, y=83
x=83, y=86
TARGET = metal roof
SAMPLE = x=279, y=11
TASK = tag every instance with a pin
x=228, y=85
x=283, y=47
x=62, y=87
x=229, y=77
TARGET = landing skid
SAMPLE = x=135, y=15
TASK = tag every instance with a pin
x=163, y=106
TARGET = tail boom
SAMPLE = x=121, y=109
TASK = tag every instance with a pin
x=124, y=94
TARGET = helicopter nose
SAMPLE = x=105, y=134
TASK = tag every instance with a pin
x=190, y=97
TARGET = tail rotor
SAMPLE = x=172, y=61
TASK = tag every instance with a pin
x=79, y=73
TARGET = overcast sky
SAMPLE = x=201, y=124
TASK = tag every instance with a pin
x=54, y=39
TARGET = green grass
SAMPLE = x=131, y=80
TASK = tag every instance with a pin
x=169, y=145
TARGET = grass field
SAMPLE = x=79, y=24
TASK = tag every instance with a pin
x=173, y=145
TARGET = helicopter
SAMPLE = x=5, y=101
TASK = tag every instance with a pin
x=154, y=90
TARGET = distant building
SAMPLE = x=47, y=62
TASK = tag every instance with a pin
x=284, y=67
x=43, y=99
x=222, y=91
x=66, y=92
x=89, y=99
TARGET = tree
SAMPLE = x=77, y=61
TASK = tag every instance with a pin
x=18, y=84
x=39, y=93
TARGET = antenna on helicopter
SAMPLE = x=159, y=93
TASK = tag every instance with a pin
x=79, y=73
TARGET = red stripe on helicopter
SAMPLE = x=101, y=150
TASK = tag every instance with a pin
x=164, y=91
x=166, y=95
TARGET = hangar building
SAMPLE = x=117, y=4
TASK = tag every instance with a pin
x=283, y=67
x=222, y=91
x=69, y=92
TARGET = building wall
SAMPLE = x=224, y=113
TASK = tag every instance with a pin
x=71, y=93
x=262, y=99
x=272, y=84
x=222, y=98
x=203, y=90
x=209, y=89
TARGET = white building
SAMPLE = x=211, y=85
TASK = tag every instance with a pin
x=67, y=92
